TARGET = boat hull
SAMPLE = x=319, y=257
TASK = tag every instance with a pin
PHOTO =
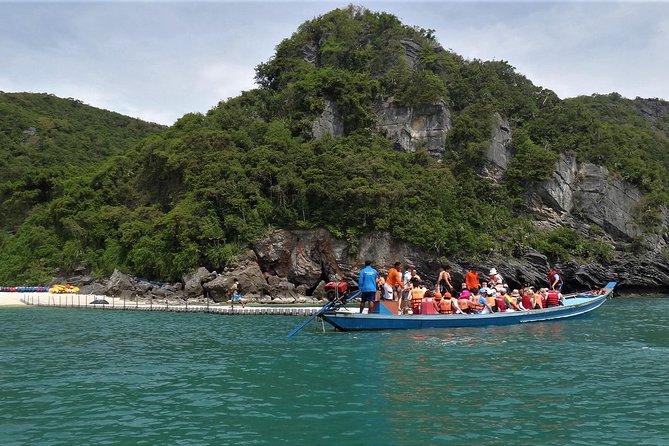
x=574, y=306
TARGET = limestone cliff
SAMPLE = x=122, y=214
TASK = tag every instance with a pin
x=412, y=127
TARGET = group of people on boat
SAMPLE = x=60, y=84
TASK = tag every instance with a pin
x=472, y=296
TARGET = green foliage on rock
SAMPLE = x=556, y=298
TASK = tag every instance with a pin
x=45, y=139
x=564, y=244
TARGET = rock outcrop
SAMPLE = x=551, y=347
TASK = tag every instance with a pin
x=588, y=193
x=499, y=154
x=330, y=122
x=652, y=109
x=411, y=53
x=412, y=127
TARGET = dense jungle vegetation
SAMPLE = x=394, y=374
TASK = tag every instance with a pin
x=95, y=190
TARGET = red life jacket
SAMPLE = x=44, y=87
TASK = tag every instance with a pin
x=527, y=302
x=501, y=305
x=553, y=299
x=551, y=277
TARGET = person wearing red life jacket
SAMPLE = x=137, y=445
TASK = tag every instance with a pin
x=500, y=302
x=528, y=299
x=553, y=298
x=555, y=281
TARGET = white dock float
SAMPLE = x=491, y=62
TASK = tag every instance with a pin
x=84, y=301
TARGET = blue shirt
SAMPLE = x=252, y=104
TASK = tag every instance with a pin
x=367, y=279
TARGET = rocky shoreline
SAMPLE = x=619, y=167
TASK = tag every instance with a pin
x=291, y=267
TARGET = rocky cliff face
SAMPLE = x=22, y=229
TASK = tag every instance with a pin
x=588, y=193
x=330, y=122
x=652, y=109
x=407, y=127
x=412, y=127
x=499, y=154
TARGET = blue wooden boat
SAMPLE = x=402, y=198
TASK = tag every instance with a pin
x=574, y=305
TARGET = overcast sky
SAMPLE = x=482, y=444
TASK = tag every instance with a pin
x=160, y=60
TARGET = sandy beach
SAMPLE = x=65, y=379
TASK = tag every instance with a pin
x=14, y=299
x=11, y=299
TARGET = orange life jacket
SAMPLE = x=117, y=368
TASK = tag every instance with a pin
x=474, y=305
x=417, y=297
x=538, y=301
x=463, y=304
x=445, y=306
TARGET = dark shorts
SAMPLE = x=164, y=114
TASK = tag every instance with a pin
x=368, y=296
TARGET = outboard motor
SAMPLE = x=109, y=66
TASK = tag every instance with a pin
x=336, y=292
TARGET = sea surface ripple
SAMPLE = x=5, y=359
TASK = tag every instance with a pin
x=75, y=377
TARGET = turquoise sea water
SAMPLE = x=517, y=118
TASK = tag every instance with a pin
x=86, y=377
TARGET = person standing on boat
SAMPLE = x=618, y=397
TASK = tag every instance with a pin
x=472, y=280
x=406, y=283
x=444, y=279
x=394, y=279
x=367, y=284
x=406, y=277
x=555, y=280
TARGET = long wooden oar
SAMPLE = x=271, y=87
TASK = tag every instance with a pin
x=328, y=306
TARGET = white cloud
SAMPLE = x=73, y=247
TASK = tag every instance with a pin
x=226, y=79
x=159, y=61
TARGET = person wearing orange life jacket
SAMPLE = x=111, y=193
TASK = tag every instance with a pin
x=417, y=294
x=538, y=301
x=475, y=303
x=436, y=299
x=442, y=305
x=453, y=306
x=463, y=299
x=490, y=298
x=543, y=295
x=479, y=304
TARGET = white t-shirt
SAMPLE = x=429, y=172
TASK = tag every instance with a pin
x=406, y=278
